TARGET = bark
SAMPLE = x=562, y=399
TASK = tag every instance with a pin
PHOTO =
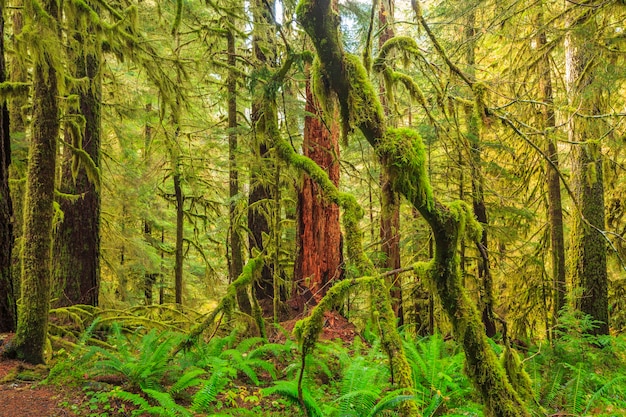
x=149, y=278
x=235, y=265
x=260, y=192
x=478, y=193
x=8, y=311
x=360, y=107
x=76, y=247
x=390, y=201
x=555, y=211
x=587, y=252
x=319, y=258
x=32, y=326
x=180, y=223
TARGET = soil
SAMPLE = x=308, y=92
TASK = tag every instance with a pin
x=21, y=395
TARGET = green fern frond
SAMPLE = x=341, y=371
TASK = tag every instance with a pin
x=167, y=405
x=289, y=390
x=209, y=391
x=189, y=379
x=389, y=402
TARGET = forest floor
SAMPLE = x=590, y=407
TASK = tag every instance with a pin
x=22, y=395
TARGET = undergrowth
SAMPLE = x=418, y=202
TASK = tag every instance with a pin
x=136, y=370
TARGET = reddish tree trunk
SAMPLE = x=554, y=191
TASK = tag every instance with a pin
x=319, y=235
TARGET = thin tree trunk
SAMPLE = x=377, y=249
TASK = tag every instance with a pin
x=8, y=313
x=235, y=266
x=390, y=201
x=587, y=253
x=319, y=258
x=555, y=211
x=478, y=195
x=76, y=247
x=32, y=326
x=180, y=224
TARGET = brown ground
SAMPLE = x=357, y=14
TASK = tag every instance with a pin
x=21, y=396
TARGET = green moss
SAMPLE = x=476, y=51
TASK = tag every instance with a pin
x=364, y=104
x=467, y=223
x=10, y=89
x=307, y=330
x=405, y=155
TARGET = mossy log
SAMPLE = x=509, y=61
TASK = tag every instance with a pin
x=403, y=152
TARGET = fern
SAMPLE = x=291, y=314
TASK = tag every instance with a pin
x=389, y=402
x=289, y=390
x=187, y=380
x=209, y=391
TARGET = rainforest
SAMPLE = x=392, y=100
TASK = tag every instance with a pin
x=319, y=208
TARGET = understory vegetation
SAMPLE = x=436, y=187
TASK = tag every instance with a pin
x=133, y=367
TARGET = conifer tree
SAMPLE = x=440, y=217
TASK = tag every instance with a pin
x=7, y=296
x=32, y=326
x=76, y=249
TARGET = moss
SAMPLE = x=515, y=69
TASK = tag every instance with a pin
x=405, y=155
x=518, y=377
x=13, y=89
x=467, y=223
x=307, y=330
x=364, y=104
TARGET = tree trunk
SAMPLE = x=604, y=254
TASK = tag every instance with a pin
x=474, y=123
x=555, y=211
x=404, y=151
x=7, y=300
x=180, y=224
x=390, y=201
x=587, y=253
x=260, y=192
x=76, y=247
x=235, y=265
x=319, y=258
x=32, y=326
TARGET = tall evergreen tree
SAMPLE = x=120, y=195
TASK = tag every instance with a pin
x=32, y=326
x=7, y=297
x=318, y=262
x=76, y=249
x=587, y=251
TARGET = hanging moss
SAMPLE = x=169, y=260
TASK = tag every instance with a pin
x=464, y=215
x=518, y=377
x=364, y=104
x=405, y=155
x=9, y=90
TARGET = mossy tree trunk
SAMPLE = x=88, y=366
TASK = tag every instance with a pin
x=32, y=325
x=319, y=257
x=235, y=261
x=390, y=200
x=587, y=252
x=76, y=248
x=474, y=137
x=7, y=300
x=405, y=155
x=555, y=210
x=262, y=169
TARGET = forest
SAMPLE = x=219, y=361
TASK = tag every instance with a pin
x=314, y=208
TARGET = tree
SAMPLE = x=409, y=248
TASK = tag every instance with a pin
x=403, y=151
x=319, y=258
x=587, y=252
x=7, y=300
x=76, y=248
x=555, y=211
x=32, y=326
x=390, y=200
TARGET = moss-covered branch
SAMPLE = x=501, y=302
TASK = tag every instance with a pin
x=308, y=330
x=401, y=150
